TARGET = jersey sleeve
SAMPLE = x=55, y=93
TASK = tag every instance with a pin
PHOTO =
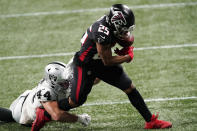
x=46, y=94
x=100, y=34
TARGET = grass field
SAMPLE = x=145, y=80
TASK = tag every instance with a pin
x=29, y=27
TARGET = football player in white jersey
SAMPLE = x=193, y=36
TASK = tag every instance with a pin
x=32, y=105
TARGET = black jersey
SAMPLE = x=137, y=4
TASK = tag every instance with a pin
x=97, y=32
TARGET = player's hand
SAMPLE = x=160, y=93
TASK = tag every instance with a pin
x=125, y=51
x=120, y=52
x=84, y=119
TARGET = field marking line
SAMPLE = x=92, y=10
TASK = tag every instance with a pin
x=98, y=9
x=166, y=47
x=72, y=53
x=146, y=100
x=36, y=56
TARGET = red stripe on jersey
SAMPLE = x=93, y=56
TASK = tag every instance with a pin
x=83, y=55
x=78, y=82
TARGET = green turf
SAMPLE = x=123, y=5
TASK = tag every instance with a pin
x=160, y=73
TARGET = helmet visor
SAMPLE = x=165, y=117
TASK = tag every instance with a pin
x=64, y=84
x=123, y=32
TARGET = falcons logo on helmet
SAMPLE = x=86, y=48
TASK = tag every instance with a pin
x=118, y=18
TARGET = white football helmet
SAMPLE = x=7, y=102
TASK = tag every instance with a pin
x=55, y=73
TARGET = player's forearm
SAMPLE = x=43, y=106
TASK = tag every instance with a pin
x=105, y=53
x=64, y=116
x=57, y=114
x=116, y=60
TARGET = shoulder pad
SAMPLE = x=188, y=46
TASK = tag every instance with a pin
x=101, y=34
x=46, y=94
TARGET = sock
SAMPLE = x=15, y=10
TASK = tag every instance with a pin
x=6, y=115
x=138, y=102
x=64, y=104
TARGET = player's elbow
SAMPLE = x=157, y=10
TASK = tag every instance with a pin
x=106, y=61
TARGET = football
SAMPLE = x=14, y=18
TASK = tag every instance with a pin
x=126, y=42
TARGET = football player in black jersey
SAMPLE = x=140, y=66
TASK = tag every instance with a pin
x=95, y=60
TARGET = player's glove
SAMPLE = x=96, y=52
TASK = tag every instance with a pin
x=84, y=119
x=121, y=52
x=125, y=51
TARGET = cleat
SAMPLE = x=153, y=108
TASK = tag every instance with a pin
x=40, y=120
x=157, y=124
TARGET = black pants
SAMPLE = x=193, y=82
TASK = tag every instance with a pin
x=84, y=77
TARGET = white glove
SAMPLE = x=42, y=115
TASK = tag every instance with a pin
x=84, y=119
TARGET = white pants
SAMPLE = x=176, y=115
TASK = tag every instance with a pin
x=17, y=105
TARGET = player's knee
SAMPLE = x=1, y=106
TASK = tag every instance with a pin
x=130, y=89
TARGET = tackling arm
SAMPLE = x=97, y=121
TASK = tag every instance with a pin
x=57, y=114
x=60, y=115
x=106, y=55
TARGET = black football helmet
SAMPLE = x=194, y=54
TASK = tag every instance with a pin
x=121, y=19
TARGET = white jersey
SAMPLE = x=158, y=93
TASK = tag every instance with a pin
x=24, y=107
